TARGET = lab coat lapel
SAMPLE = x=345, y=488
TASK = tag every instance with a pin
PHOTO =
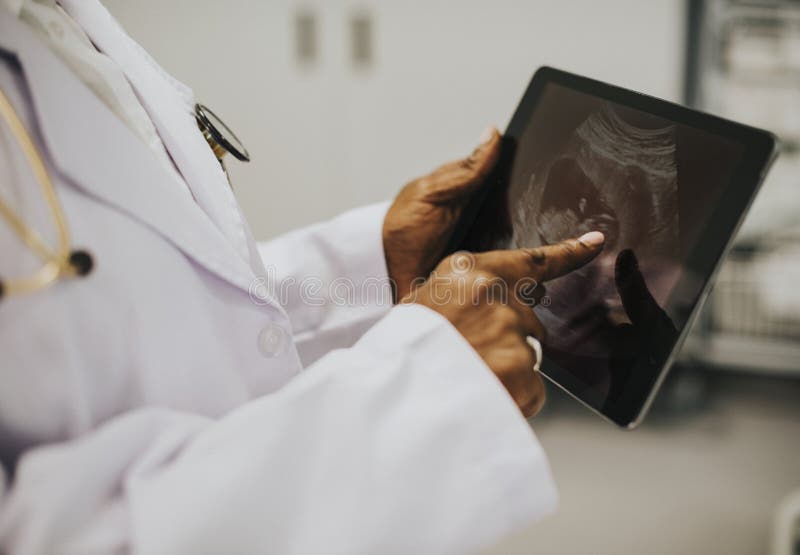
x=98, y=153
x=171, y=108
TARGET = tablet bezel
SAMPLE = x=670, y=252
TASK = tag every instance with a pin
x=703, y=259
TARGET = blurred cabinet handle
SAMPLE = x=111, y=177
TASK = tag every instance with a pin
x=361, y=40
x=305, y=33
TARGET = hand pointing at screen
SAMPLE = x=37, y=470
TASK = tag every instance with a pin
x=485, y=297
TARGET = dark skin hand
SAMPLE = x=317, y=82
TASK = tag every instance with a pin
x=463, y=289
x=417, y=229
x=422, y=218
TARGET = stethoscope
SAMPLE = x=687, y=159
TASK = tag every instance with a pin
x=63, y=261
x=218, y=135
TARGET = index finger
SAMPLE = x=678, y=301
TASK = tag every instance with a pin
x=544, y=263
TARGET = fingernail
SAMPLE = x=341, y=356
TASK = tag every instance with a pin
x=592, y=239
x=487, y=135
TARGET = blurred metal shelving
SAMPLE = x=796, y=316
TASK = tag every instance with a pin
x=743, y=62
x=743, y=327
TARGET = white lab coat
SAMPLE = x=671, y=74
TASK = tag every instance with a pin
x=160, y=404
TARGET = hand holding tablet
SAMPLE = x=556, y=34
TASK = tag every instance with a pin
x=480, y=295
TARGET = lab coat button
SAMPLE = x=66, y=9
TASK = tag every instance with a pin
x=272, y=340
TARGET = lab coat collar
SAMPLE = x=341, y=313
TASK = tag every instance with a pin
x=170, y=105
x=95, y=150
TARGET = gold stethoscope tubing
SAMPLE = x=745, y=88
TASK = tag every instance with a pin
x=57, y=263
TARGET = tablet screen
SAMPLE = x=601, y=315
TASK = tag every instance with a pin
x=583, y=163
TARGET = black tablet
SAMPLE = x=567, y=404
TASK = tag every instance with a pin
x=667, y=185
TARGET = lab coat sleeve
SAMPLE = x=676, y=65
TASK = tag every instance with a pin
x=331, y=279
x=404, y=443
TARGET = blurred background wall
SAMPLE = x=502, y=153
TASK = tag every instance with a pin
x=328, y=130
x=341, y=102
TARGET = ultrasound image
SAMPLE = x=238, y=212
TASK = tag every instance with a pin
x=612, y=177
x=618, y=178
x=573, y=163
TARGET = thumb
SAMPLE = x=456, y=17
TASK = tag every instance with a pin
x=460, y=178
x=483, y=158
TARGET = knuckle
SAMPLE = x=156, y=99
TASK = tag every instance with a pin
x=482, y=260
x=416, y=188
x=506, y=316
x=470, y=163
x=425, y=186
x=536, y=256
x=494, y=332
x=490, y=289
x=568, y=248
x=461, y=262
x=447, y=264
x=480, y=276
